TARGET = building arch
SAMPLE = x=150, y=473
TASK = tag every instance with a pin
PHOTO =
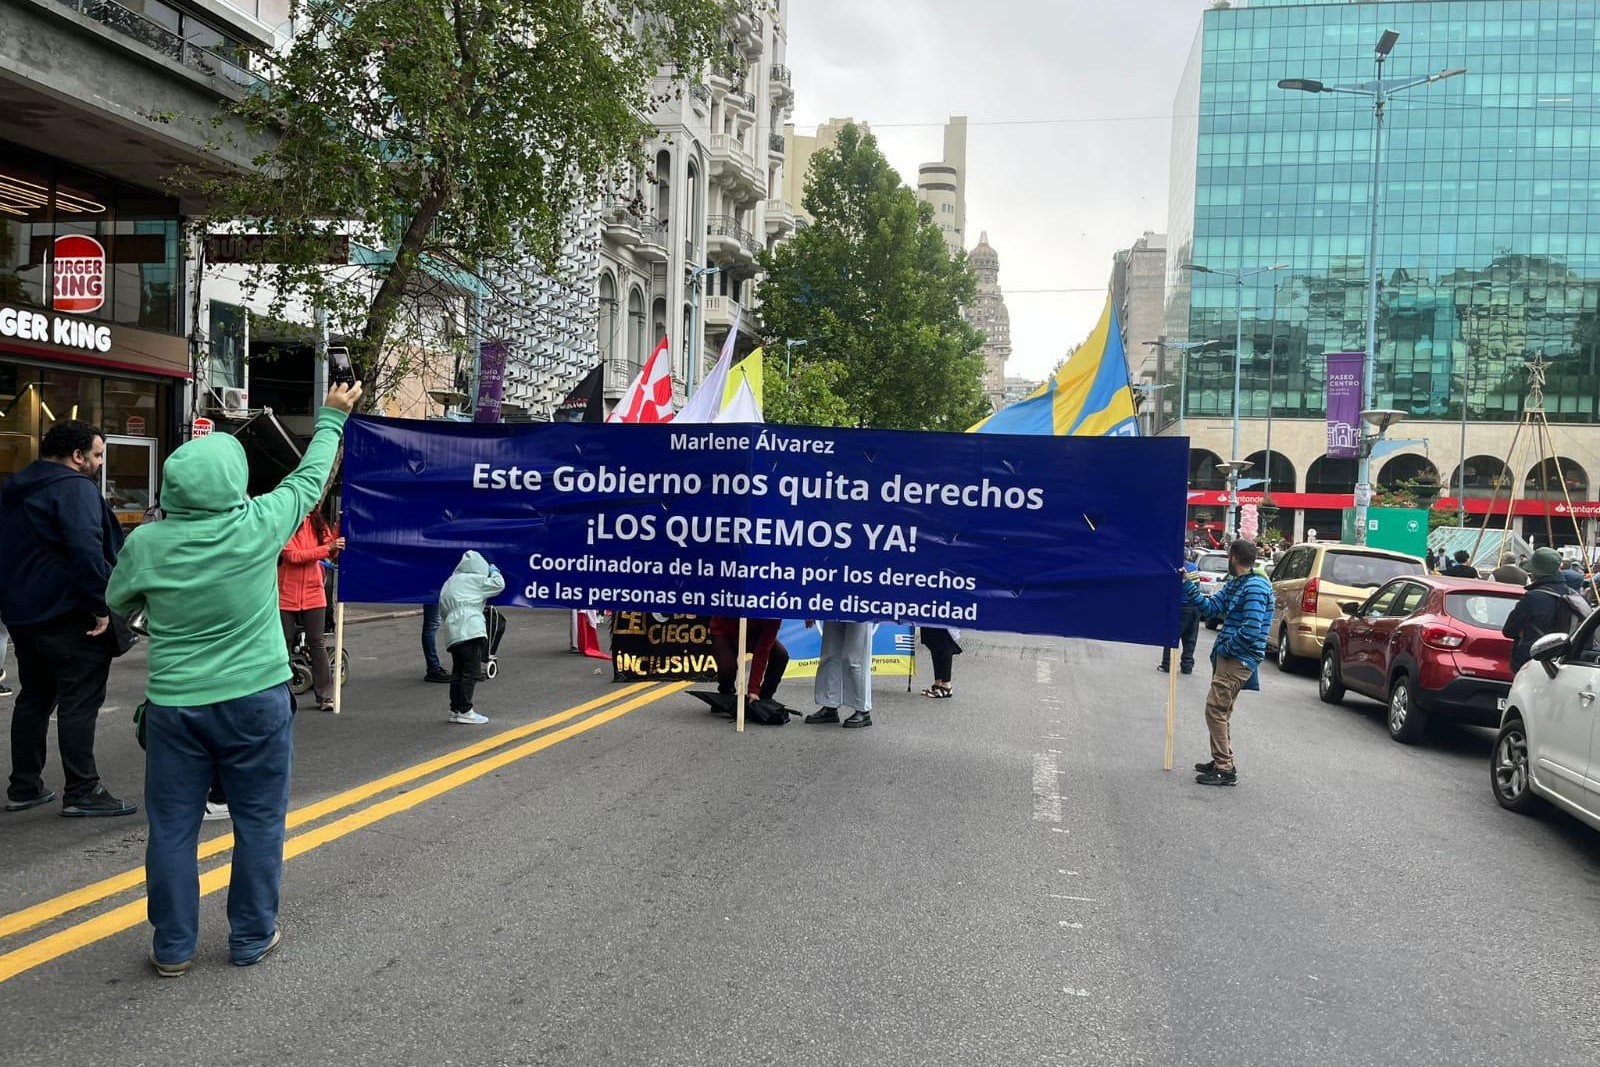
x=636, y=331
x=1479, y=476
x=1405, y=468
x=1328, y=474
x=1544, y=480
x=608, y=316
x=1283, y=472
x=1203, y=473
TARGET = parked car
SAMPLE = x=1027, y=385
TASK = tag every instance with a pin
x=1211, y=576
x=1309, y=584
x=1548, y=749
x=1429, y=647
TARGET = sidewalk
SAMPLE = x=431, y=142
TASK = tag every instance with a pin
x=391, y=720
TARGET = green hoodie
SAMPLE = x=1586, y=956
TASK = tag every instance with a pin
x=208, y=572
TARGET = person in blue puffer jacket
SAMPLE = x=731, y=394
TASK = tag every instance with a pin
x=1245, y=607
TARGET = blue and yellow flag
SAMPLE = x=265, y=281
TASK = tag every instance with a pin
x=1089, y=397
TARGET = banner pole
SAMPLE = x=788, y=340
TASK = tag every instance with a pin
x=338, y=656
x=739, y=673
x=1172, y=702
x=911, y=660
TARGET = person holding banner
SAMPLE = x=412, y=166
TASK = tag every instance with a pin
x=1244, y=605
x=218, y=690
x=844, y=674
x=768, y=658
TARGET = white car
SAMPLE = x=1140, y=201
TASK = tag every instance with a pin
x=1211, y=576
x=1549, y=743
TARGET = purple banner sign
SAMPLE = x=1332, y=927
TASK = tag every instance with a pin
x=491, y=380
x=1344, y=403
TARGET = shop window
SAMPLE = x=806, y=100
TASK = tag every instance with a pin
x=19, y=418
x=130, y=408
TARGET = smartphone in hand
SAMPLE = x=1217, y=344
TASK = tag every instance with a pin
x=340, y=370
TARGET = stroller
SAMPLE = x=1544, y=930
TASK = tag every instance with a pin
x=494, y=625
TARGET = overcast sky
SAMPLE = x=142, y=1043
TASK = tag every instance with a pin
x=1056, y=199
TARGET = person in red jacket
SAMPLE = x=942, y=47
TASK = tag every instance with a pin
x=302, y=602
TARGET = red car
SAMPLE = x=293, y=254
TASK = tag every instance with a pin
x=1428, y=647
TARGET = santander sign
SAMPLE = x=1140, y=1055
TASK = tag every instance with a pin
x=79, y=273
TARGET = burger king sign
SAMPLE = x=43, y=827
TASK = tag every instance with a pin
x=79, y=271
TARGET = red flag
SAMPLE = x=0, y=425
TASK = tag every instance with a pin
x=649, y=398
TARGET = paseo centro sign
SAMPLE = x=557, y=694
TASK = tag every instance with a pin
x=60, y=330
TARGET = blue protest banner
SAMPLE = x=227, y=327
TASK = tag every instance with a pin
x=1072, y=536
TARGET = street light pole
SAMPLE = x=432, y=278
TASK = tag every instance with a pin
x=1184, y=349
x=1238, y=277
x=1379, y=92
x=691, y=371
x=1272, y=367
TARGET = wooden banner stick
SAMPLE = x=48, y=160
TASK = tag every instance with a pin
x=1172, y=702
x=338, y=656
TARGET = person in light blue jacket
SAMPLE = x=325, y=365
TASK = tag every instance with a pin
x=461, y=625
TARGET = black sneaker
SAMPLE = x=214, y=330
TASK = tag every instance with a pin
x=823, y=715
x=1216, y=777
x=1207, y=767
x=1164, y=669
x=442, y=677
x=858, y=720
x=32, y=802
x=98, y=804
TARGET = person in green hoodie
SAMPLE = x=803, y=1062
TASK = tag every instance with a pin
x=218, y=697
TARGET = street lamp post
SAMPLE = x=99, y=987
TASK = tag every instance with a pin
x=1239, y=277
x=788, y=355
x=1184, y=349
x=691, y=372
x=1272, y=369
x=1378, y=91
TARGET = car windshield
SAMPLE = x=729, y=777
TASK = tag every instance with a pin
x=1480, y=609
x=1361, y=571
x=1212, y=564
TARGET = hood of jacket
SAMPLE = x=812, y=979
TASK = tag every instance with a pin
x=1553, y=582
x=34, y=477
x=472, y=563
x=205, y=476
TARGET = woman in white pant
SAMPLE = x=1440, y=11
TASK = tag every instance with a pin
x=844, y=674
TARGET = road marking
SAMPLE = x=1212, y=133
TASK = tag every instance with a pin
x=1063, y=870
x=1083, y=900
x=1069, y=926
x=133, y=913
x=1043, y=671
x=29, y=917
x=1046, y=788
x=1069, y=991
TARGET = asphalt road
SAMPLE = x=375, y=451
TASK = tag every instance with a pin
x=1007, y=877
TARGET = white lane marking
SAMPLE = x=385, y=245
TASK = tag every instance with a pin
x=1063, y=870
x=1069, y=991
x=1044, y=671
x=1084, y=900
x=1046, y=788
x=1069, y=926
x=1059, y=830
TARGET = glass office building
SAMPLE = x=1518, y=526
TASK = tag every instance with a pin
x=1489, y=247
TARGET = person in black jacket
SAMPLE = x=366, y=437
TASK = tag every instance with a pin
x=1548, y=607
x=1462, y=567
x=58, y=542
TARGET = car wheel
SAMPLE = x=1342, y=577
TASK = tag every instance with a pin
x=1407, y=722
x=1330, y=685
x=1508, y=770
x=1287, y=660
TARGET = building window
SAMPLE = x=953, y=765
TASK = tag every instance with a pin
x=636, y=340
x=608, y=316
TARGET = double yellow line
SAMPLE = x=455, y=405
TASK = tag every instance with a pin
x=123, y=917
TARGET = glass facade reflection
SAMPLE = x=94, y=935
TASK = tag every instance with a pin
x=1489, y=245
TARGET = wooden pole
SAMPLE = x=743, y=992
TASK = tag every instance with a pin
x=338, y=656
x=739, y=674
x=1172, y=702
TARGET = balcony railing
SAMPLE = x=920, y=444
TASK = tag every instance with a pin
x=781, y=75
x=744, y=101
x=131, y=23
x=775, y=143
x=700, y=92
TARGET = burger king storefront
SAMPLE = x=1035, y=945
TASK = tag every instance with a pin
x=90, y=290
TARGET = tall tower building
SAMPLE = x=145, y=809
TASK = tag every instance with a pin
x=988, y=313
x=944, y=185
x=798, y=151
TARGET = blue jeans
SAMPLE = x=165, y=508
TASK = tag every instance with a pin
x=430, y=638
x=249, y=744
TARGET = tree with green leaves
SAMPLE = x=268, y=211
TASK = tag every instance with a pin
x=870, y=286
x=454, y=137
x=806, y=394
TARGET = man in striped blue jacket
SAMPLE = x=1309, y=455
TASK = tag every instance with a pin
x=1245, y=607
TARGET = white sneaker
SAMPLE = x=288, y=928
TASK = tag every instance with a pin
x=469, y=718
x=216, y=812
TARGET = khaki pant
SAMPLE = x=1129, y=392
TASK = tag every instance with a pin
x=1226, y=681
